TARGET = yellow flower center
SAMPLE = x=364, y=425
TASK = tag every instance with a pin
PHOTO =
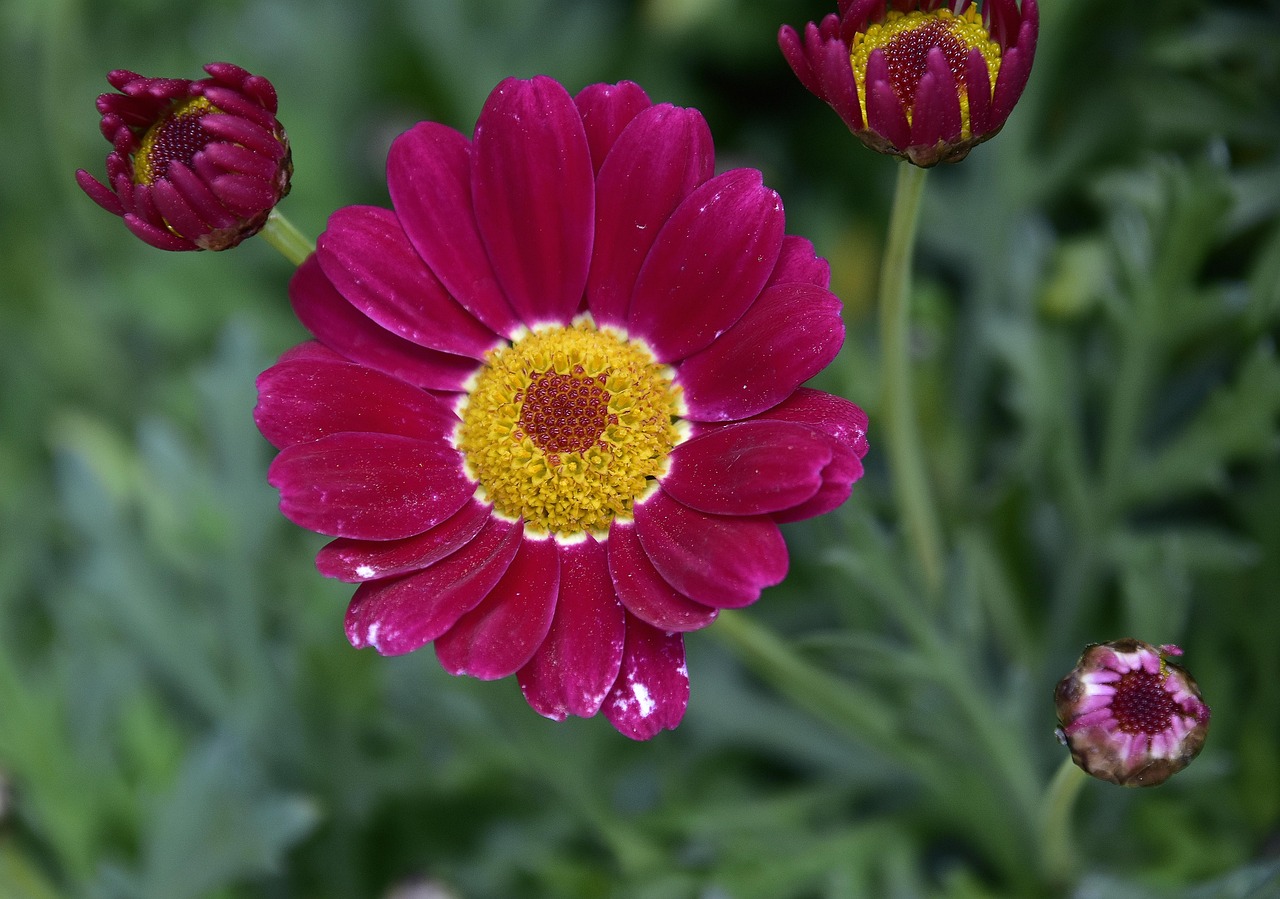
x=176, y=137
x=568, y=427
x=906, y=39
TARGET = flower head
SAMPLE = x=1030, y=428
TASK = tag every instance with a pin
x=553, y=413
x=1129, y=715
x=921, y=79
x=195, y=165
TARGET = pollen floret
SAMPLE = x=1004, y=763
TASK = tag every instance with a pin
x=919, y=79
x=1129, y=715
x=195, y=165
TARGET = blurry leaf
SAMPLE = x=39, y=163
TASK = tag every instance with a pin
x=1156, y=575
x=1081, y=269
x=221, y=823
x=20, y=877
x=1237, y=424
x=1264, y=284
x=1255, y=881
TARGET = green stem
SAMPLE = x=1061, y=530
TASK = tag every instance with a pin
x=292, y=243
x=906, y=460
x=1056, y=845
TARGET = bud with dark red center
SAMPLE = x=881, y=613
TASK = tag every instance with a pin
x=926, y=80
x=1129, y=715
x=196, y=165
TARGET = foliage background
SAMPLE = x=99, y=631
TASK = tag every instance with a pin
x=1097, y=298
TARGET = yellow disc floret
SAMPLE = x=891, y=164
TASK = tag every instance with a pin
x=568, y=427
x=906, y=39
x=177, y=137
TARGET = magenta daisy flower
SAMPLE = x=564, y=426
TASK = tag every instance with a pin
x=196, y=165
x=923, y=79
x=553, y=413
x=1129, y=715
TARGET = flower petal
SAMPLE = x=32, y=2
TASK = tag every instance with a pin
x=833, y=415
x=977, y=78
x=301, y=400
x=719, y=561
x=369, y=486
x=643, y=591
x=657, y=161
x=366, y=255
x=748, y=468
x=339, y=325
x=534, y=193
x=791, y=333
x=846, y=426
x=577, y=665
x=354, y=561
x=885, y=115
x=652, y=689
x=429, y=178
x=607, y=109
x=400, y=615
x=936, y=111
x=797, y=261
x=499, y=636
x=1015, y=69
x=707, y=265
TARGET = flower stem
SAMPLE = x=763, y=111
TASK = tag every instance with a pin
x=292, y=243
x=1056, y=846
x=906, y=462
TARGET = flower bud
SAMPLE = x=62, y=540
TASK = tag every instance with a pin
x=920, y=79
x=195, y=165
x=1129, y=715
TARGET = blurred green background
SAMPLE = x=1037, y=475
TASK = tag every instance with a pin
x=1097, y=301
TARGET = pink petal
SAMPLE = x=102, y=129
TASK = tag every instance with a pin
x=662, y=155
x=837, y=84
x=978, y=87
x=499, y=636
x=935, y=113
x=885, y=115
x=576, y=666
x=1015, y=69
x=366, y=255
x=606, y=109
x=336, y=323
x=534, y=194
x=303, y=400
x=791, y=333
x=312, y=350
x=369, y=486
x=797, y=261
x=643, y=591
x=719, y=561
x=403, y=614
x=846, y=425
x=749, y=468
x=429, y=177
x=354, y=561
x=828, y=413
x=652, y=689
x=708, y=264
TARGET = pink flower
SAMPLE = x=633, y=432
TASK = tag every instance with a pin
x=554, y=412
x=1129, y=715
x=196, y=165
x=921, y=79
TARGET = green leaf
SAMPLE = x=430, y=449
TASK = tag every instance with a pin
x=1237, y=424
x=219, y=824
